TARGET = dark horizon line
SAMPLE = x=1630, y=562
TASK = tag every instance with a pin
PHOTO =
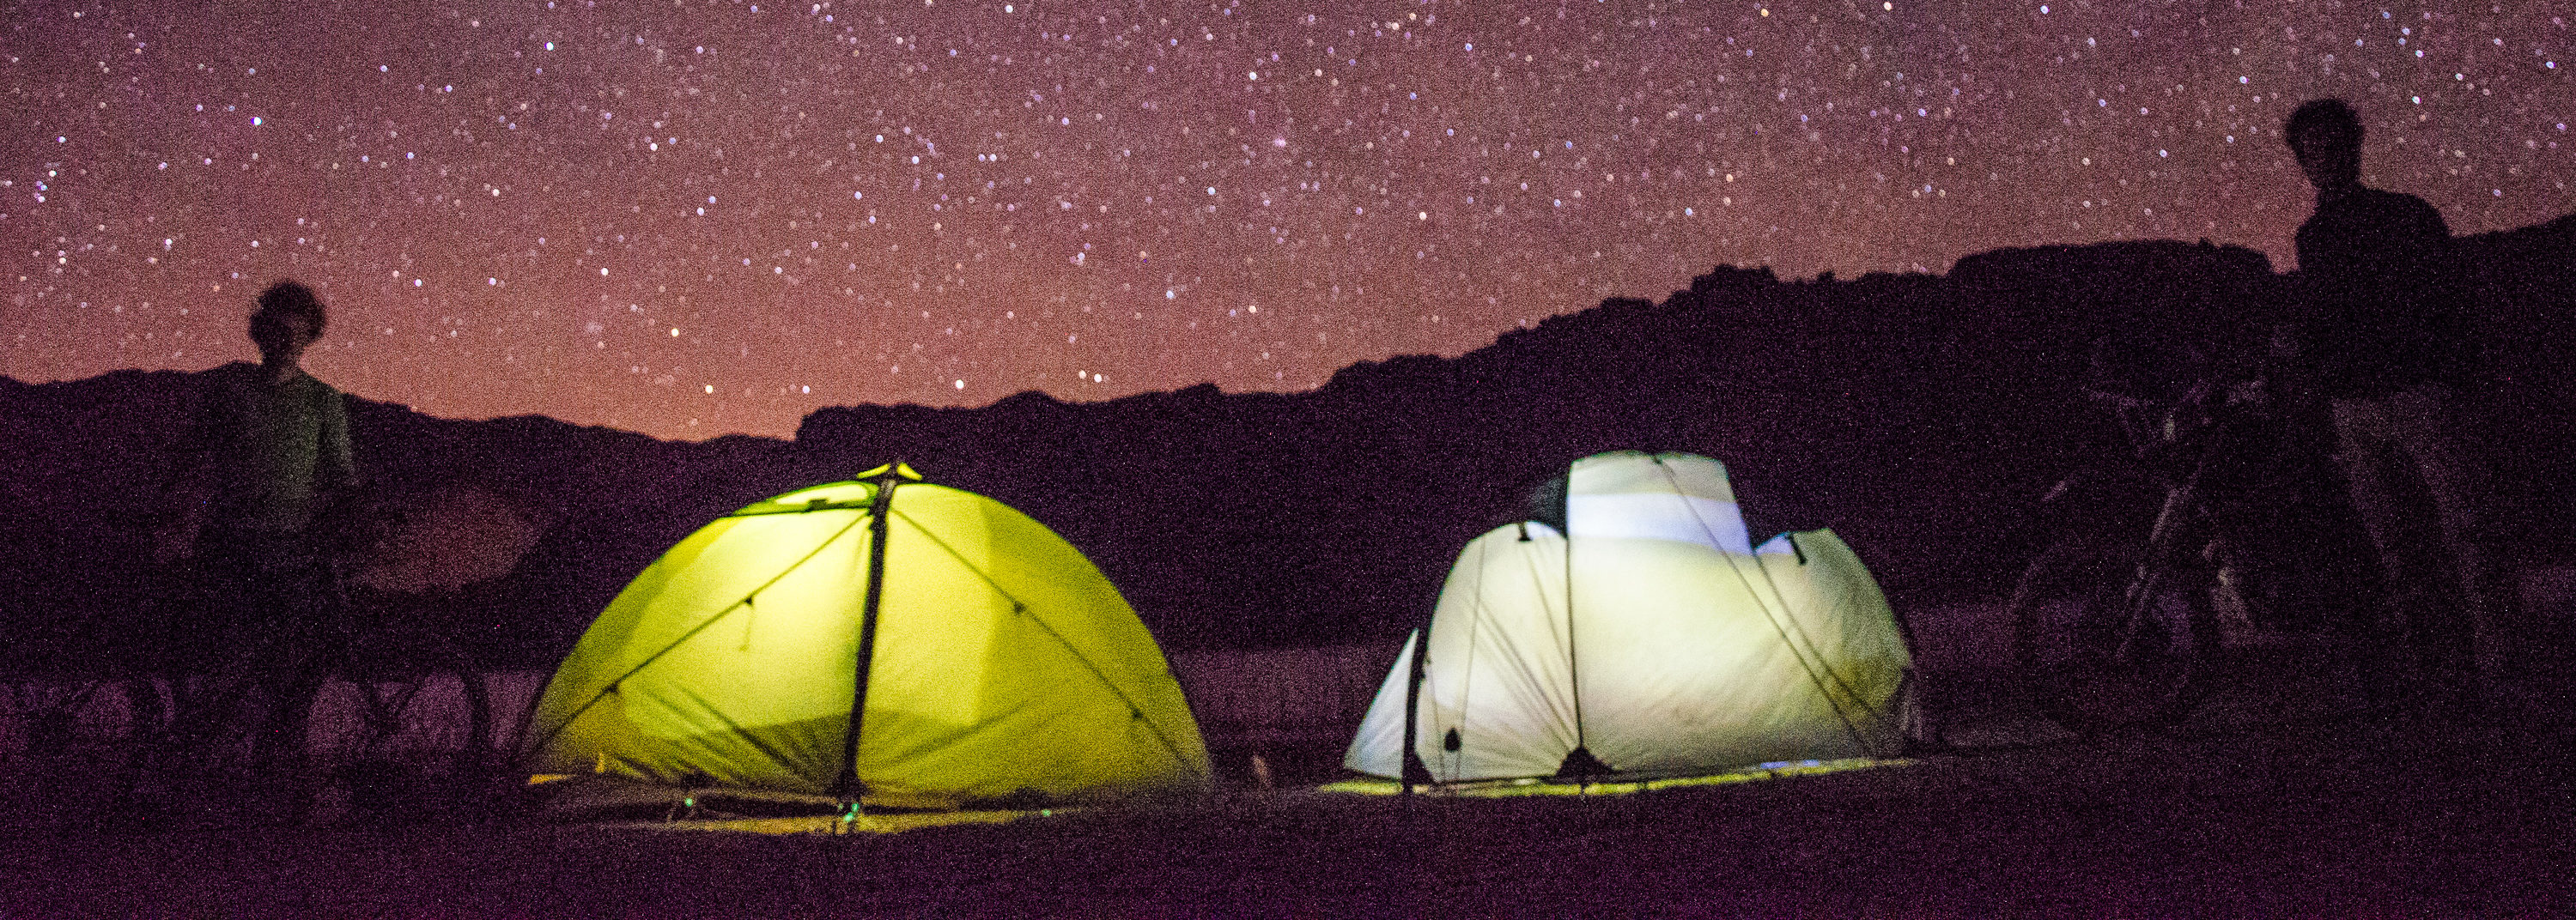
x=2565, y=223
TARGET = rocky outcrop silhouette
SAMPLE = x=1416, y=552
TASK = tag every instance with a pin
x=1919, y=415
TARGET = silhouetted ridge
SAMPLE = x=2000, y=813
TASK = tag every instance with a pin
x=1919, y=415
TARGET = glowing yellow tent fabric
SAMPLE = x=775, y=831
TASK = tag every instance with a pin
x=1684, y=650
x=1006, y=667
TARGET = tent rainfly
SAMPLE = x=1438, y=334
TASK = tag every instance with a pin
x=1633, y=630
x=995, y=663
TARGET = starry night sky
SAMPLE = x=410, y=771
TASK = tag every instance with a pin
x=691, y=218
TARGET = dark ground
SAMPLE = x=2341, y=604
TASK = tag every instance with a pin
x=2260, y=809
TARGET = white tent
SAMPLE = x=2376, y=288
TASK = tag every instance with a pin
x=1684, y=650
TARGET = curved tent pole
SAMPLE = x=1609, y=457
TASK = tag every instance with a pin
x=1809, y=655
x=528, y=747
x=1783, y=622
x=1022, y=608
x=880, y=510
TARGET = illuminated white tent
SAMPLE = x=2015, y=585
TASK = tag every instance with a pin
x=1684, y=650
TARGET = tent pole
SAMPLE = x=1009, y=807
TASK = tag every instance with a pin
x=1573, y=660
x=1413, y=770
x=880, y=512
x=1580, y=758
x=1579, y=765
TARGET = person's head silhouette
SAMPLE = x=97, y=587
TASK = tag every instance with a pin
x=2325, y=136
x=290, y=318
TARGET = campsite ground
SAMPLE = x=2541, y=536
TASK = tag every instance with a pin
x=2254, y=812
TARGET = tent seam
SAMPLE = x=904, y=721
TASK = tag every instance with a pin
x=1735, y=568
x=606, y=688
x=1024, y=607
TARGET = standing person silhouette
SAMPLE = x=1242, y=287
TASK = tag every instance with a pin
x=263, y=461
x=2391, y=351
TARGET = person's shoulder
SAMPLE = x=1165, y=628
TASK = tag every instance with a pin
x=315, y=387
x=2325, y=212
x=2399, y=206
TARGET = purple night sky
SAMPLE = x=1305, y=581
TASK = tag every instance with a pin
x=692, y=218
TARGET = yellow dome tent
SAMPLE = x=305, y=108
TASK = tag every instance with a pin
x=997, y=665
x=1655, y=641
